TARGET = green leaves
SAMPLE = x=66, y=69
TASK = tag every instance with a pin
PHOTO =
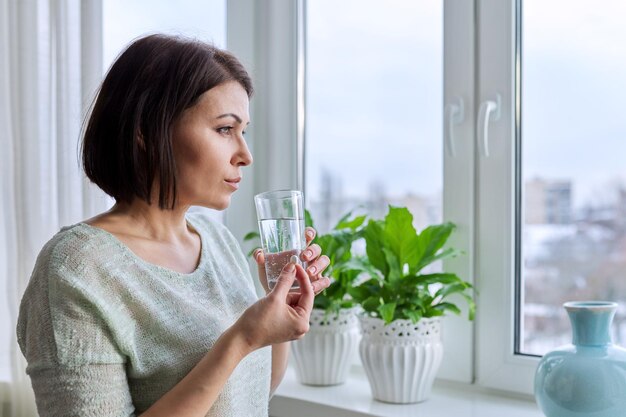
x=353, y=224
x=387, y=311
x=400, y=236
x=390, y=281
x=375, y=242
x=251, y=235
x=431, y=240
x=397, y=254
x=308, y=220
x=343, y=268
x=413, y=315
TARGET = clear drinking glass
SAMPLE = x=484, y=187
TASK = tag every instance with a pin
x=281, y=225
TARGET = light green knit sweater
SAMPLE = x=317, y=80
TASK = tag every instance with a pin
x=107, y=334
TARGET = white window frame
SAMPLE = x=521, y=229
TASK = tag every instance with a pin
x=458, y=177
x=498, y=63
x=479, y=62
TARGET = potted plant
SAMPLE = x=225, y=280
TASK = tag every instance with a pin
x=322, y=356
x=401, y=346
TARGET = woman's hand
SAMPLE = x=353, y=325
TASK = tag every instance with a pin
x=280, y=316
x=312, y=255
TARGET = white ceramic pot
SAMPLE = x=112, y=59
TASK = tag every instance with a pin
x=323, y=355
x=401, y=359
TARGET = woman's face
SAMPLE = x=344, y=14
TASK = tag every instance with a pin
x=209, y=147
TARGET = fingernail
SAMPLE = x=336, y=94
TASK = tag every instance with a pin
x=294, y=259
x=310, y=233
x=308, y=253
x=312, y=269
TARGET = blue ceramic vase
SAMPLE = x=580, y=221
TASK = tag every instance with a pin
x=588, y=377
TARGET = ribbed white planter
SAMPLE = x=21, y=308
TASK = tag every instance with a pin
x=323, y=355
x=401, y=359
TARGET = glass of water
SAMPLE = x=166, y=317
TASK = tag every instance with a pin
x=281, y=225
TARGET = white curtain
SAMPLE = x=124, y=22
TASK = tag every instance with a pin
x=50, y=66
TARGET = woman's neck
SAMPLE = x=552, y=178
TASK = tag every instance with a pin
x=144, y=220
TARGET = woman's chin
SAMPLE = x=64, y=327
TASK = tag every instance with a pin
x=217, y=205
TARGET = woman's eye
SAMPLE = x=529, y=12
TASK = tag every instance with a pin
x=224, y=130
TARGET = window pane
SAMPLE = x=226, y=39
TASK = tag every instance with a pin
x=124, y=21
x=374, y=99
x=7, y=331
x=574, y=176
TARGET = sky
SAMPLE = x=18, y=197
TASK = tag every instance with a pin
x=375, y=86
x=574, y=66
x=124, y=20
x=374, y=95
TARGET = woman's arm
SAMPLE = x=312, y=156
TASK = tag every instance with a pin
x=195, y=393
x=275, y=319
x=313, y=255
x=280, y=358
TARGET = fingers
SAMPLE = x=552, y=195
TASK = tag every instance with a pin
x=317, y=263
x=292, y=298
x=306, y=290
x=285, y=280
x=315, y=268
x=311, y=253
x=320, y=285
x=259, y=256
x=309, y=233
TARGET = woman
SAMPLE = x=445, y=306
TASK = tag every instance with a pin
x=147, y=309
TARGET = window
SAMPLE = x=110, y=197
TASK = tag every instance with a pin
x=573, y=187
x=375, y=91
x=373, y=127
x=343, y=51
x=373, y=102
x=549, y=197
x=124, y=21
x=497, y=142
x=6, y=330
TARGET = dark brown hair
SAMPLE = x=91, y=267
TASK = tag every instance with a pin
x=127, y=143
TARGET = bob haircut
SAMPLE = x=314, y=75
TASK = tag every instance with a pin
x=127, y=145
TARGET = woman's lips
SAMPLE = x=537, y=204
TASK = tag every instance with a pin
x=234, y=182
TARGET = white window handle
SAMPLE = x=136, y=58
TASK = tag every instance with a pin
x=489, y=110
x=453, y=115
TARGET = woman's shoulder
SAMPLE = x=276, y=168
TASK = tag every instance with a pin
x=63, y=295
x=74, y=248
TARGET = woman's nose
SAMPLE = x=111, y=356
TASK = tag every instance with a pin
x=243, y=157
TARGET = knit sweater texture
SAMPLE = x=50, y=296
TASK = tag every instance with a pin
x=106, y=333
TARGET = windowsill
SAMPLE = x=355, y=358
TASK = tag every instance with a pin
x=354, y=399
